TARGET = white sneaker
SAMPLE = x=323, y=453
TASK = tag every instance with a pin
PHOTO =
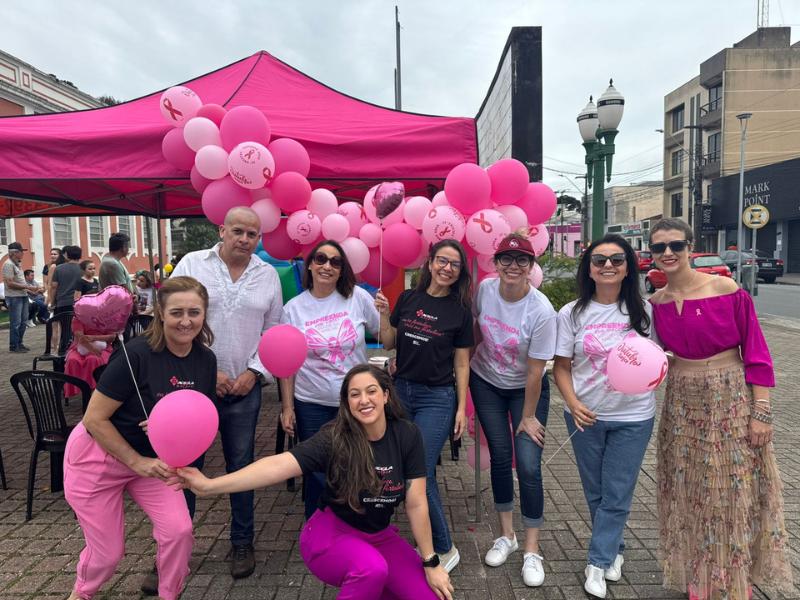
x=499, y=552
x=595, y=581
x=614, y=572
x=450, y=559
x=31, y=323
x=532, y=570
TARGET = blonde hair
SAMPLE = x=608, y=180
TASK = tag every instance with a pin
x=174, y=285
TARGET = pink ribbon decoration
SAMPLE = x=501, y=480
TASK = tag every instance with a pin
x=337, y=347
x=172, y=110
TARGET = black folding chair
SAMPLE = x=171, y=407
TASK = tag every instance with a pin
x=41, y=394
x=136, y=326
x=59, y=357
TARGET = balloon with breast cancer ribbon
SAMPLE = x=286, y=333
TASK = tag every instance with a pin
x=636, y=365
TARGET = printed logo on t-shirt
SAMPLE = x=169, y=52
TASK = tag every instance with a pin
x=421, y=314
x=597, y=352
x=502, y=341
x=181, y=385
x=391, y=490
x=332, y=338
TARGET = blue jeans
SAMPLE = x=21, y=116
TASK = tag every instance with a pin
x=609, y=455
x=494, y=405
x=38, y=309
x=310, y=419
x=433, y=409
x=17, y=317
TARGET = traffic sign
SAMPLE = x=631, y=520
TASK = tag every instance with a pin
x=755, y=216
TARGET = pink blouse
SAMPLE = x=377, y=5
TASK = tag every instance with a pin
x=708, y=326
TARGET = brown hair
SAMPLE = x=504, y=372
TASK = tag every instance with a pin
x=351, y=469
x=347, y=279
x=462, y=288
x=671, y=224
x=173, y=285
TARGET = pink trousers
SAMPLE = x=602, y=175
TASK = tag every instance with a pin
x=379, y=566
x=94, y=486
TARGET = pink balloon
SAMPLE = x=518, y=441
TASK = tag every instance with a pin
x=439, y=199
x=268, y=213
x=536, y=275
x=323, y=203
x=181, y=426
x=515, y=216
x=443, y=223
x=199, y=183
x=199, y=132
x=290, y=155
x=424, y=249
x=401, y=244
x=370, y=234
x=261, y=194
x=175, y=150
x=251, y=165
x=282, y=350
x=244, y=124
x=291, y=191
x=213, y=112
x=468, y=188
x=370, y=210
x=220, y=196
x=485, y=458
x=303, y=226
x=278, y=244
x=415, y=210
x=179, y=104
x=355, y=214
x=539, y=238
x=486, y=229
x=106, y=311
x=636, y=365
x=486, y=263
x=538, y=202
x=211, y=162
x=357, y=253
x=371, y=273
x=335, y=227
x=509, y=179
x=388, y=197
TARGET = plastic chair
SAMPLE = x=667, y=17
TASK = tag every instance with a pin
x=59, y=357
x=41, y=393
x=136, y=326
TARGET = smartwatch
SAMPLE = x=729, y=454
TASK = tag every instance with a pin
x=258, y=374
x=431, y=562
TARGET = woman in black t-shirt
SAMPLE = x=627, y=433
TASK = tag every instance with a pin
x=373, y=459
x=108, y=453
x=431, y=327
x=88, y=283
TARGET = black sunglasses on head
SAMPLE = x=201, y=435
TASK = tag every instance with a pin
x=599, y=260
x=320, y=258
x=675, y=245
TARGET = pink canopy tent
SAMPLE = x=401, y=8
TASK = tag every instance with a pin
x=108, y=160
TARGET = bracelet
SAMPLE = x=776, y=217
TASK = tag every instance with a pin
x=759, y=416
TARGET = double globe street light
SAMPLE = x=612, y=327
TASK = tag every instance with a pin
x=598, y=128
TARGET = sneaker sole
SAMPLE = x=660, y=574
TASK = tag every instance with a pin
x=452, y=563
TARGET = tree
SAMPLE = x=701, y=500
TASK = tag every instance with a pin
x=108, y=100
x=198, y=234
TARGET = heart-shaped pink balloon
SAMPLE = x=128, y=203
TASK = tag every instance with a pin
x=388, y=197
x=106, y=312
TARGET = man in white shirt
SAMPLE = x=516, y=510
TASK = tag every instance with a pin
x=16, y=293
x=244, y=301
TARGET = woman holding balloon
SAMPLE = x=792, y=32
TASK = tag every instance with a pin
x=609, y=429
x=517, y=326
x=720, y=505
x=333, y=313
x=109, y=452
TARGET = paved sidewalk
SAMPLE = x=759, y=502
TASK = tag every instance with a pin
x=37, y=558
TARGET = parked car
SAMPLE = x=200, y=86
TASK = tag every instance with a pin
x=701, y=261
x=769, y=268
x=645, y=260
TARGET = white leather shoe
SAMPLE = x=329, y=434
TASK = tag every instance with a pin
x=595, y=581
x=500, y=551
x=614, y=572
x=532, y=570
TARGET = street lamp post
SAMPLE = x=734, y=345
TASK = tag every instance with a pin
x=743, y=118
x=598, y=128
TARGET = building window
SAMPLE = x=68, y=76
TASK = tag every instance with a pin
x=713, y=147
x=714, y=97
x=62, y=231
x=677, y=119
x=677, y=204
x=4, y=232
x=126, y=225
x=677, y=162
x=98, y=237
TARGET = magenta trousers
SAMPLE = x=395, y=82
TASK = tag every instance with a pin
x=94, y=486
x=363, y=565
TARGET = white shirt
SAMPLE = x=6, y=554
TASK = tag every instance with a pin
x=587, y=342
x=512, y=332
x=334, y=329
x=239, y=312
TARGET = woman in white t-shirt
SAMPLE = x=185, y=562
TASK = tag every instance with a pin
x=517, y=330
x=610, y=430
x=333, y=313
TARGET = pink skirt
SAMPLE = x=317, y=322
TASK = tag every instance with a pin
x=83, y=367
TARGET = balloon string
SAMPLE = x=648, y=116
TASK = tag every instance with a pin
x=570, y=435
x=380, y=274
x=133, y=377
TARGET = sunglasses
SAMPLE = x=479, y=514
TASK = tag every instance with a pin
x=321, y=258
x=522, y=260
x=599, y=260
x=675, y=245
x=442, y=262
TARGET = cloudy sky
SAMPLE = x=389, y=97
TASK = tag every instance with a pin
x=450, y=50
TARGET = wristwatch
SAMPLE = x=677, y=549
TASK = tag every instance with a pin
x=431, y=562
x=258, y=374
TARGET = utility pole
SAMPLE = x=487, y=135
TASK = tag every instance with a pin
x=398, y=94
x=697, y=187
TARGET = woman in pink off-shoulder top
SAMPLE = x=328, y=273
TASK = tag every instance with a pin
x=720, y=505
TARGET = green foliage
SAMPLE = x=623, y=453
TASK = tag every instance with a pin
x=414, y=278
x=199, y=234
x=559, y=284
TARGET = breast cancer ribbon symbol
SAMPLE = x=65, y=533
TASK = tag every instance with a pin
x=335, y=348
x=485, y=225
x=172, y=110
x=596, y=353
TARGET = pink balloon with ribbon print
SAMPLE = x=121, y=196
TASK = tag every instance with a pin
x=106, y=312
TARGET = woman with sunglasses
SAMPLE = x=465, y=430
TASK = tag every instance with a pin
x=333, y=313
x=517, y=327
x=431, y=327
x=609, y=430
x=720, y=506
